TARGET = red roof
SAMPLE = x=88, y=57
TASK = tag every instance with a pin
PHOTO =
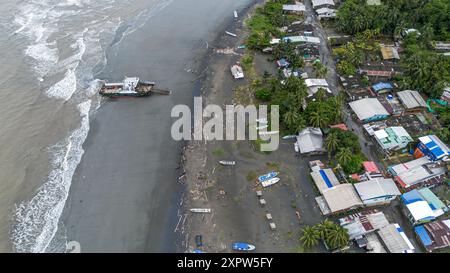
x=370, y=167
x=355, y=176
x=341, y=126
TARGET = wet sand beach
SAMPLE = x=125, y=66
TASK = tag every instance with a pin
x=125, y=195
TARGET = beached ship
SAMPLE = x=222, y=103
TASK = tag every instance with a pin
x=132, y=87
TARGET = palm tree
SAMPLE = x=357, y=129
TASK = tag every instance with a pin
x=337, y=237
x=310, y=237
x=331, y=142
x=290, y=118
x=318, y=118
x=344, y=155
x=324, y=228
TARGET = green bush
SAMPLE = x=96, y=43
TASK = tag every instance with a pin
x=263, y=94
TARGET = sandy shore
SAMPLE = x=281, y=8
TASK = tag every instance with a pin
x=230, y=191
x=125, y=194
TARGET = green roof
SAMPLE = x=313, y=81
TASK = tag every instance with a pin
x=431, y=198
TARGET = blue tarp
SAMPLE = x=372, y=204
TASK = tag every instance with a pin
x=325, y=178
x=411, y=197
x=381, y=86
x=423, y=235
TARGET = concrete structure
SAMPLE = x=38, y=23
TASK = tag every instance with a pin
x=377, y=191
x=369, y=109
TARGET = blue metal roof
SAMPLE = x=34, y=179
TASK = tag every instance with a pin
x=411, y=197
x=423, y=235
x=382, y=85
x=325, y=178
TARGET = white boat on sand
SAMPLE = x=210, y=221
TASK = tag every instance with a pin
x=227, y=162
x=198, y=210
x=270, y=182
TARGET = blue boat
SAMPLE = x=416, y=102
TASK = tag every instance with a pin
x=198, y=251
x=267, y=176
x=240, y=246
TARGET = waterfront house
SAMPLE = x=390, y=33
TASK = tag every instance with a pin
x=392, y=138
x=417, y=173
x=434, y=235
x=369, y=109
x=310, y=141
x=432, y=147
x=378, y=191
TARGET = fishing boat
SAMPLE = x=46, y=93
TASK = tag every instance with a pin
x=235, y=14
x=201, y=210
x=227, y=163
x=267, y=176
x=270, y=182
x=241, y=246
x=237, y=71
x=198, y=251
x=131, y=87
x=230, y=33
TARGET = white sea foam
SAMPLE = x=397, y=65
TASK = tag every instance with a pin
x=37, y=220
x=65, y=88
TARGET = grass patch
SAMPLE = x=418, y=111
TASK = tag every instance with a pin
x=219, y=152
x=251, y=175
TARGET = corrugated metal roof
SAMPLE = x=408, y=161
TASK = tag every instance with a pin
x=423, y=235
x=341, y=197
x=381, y=86
x=310, y=140
x=367, y=108
x=324, y=179
x=394, y=240
x=411, y=99
x=376, y=188
x=432, y=199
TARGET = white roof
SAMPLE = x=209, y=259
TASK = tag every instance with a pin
x=325, y=10
x=376, y=188
x=296, y=7
x=316, y=82
x=400, y=131
x=316, y=3
x=380, y=134
x=367, y=108
x=297, y=39
x=420, y=210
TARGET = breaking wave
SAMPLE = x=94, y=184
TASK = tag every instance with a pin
x=37, y=220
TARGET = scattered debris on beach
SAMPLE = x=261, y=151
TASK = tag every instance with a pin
x=230, y=33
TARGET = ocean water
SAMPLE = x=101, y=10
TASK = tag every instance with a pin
x=51, y=52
